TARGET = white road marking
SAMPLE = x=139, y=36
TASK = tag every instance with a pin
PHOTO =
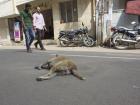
x=135, y=87
x=90, y=56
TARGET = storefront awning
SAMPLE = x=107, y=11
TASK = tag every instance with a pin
x=133, y=7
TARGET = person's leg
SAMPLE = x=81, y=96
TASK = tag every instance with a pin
x=27, y=38
x=32, y=35
x=40, y=41
x=37, y=34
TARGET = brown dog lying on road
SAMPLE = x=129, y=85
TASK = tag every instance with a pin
x=60, y=65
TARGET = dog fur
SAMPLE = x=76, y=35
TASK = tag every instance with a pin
x=64, y=66
x=49, y=64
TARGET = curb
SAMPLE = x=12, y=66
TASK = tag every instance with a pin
x=80, y=49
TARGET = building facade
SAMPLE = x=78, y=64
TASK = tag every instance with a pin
x=58, y=14
x=98, y=15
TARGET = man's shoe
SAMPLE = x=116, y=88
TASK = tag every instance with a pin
x=35, y=45
x=29, y=51
x=43, y=49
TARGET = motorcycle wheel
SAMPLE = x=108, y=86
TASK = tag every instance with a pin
x=118, y=44
x=88, y=41
x=63, y=41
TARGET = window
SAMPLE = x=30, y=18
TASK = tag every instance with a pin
x=106, y=6
x=119, y=4
x=68, y=11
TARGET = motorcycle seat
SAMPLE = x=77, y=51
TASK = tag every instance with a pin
x=62, y=32
x=70, y=32
x=128, y=29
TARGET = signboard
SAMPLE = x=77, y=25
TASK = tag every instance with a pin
x=133, y=7
x=17, y=31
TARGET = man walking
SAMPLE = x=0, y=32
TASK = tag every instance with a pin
x=27, y=22
x=39, y=25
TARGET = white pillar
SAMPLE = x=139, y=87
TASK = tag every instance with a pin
x=110, y=12
x=109, y=21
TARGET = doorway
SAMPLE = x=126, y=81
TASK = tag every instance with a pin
x=48, y=18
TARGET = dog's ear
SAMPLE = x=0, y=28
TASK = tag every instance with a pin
x=56, y=55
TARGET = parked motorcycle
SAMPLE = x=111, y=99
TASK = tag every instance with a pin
x=123, y=37
x=77, y=37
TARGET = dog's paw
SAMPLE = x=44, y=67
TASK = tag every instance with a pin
x=39, y=79
x=83, y=78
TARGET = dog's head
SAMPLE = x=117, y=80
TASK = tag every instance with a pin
x=48, y=65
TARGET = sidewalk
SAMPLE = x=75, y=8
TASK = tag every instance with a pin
x=83, y=49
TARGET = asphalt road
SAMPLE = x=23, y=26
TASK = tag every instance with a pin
x=112, y=79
